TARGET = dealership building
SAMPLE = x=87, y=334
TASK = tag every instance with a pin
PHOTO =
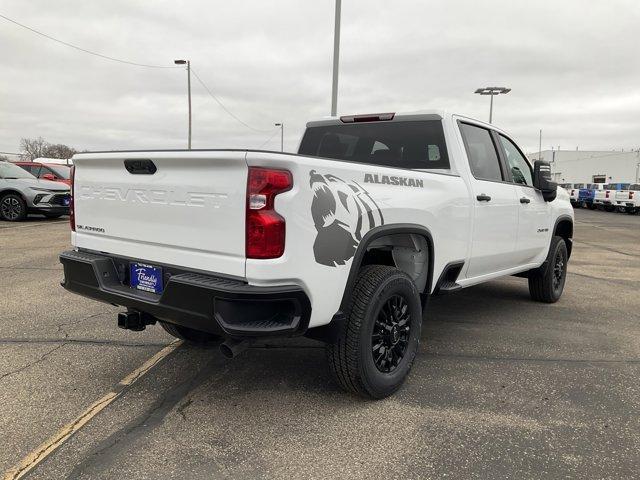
x=579, y=166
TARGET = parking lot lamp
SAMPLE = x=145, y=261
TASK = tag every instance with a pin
x=188, y=64
x=492, y=91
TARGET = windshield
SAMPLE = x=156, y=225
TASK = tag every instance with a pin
x=401, y=144
x=9, y=170
x=61, y=171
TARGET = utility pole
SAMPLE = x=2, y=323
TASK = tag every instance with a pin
x=188, y=64
x=281, y=125
x=336, y=59
x=540, y=146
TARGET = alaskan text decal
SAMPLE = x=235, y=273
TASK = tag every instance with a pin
x=342, y=212
x=387, y=180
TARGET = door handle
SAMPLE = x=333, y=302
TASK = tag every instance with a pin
x=483, y=198
x=525, y=200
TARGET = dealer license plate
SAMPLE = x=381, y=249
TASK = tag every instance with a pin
x=145, y=277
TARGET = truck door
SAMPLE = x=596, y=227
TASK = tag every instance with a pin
x=496, y=205
x=533, y=212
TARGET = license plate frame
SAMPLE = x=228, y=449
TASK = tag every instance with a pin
x=145, y=277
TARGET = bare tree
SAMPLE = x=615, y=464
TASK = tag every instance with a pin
x=33, y=148
x=59, y=151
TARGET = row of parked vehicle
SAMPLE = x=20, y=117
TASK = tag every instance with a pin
x=34, y=188
x=621, y=197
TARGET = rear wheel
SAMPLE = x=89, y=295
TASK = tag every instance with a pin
x=189, y=334
x=12, y=208
x=609, y=208
x=547, y=285
x=632, y=211
x=591, y=206
x=378, y=342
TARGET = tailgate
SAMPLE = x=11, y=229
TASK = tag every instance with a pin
x=189, y=212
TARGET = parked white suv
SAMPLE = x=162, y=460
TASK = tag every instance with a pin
x=343, y=242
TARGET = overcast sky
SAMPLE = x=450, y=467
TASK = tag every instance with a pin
x=573, y=65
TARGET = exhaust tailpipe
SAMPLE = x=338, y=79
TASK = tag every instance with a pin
x=231, y=348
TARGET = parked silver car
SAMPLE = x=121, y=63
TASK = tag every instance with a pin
x=21, y=193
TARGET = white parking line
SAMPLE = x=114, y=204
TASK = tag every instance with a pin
x=29, y=462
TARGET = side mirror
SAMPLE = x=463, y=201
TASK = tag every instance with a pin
x=49, y=176
x=542, y=180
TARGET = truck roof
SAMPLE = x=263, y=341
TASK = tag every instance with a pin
x=427, y=114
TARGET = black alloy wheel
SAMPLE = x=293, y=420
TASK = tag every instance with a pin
x=391, y=333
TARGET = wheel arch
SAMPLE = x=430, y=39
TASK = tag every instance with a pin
x=12, y=190
x=386, y=231
x=563, y=227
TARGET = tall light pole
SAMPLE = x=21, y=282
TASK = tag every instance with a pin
x=188, y=64
x=492, y=91
x=336, y=59
x=281, y=125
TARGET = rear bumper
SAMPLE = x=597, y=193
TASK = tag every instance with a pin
x=203, y=302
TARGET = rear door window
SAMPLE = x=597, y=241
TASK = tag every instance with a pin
x=481, y=151
x=404, y=144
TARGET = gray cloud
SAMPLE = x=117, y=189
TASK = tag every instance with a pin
x=572, y=66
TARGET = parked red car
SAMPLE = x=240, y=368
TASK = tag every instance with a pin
x=48, y=171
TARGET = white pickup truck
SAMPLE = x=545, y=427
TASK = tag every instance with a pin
x=343, y=242
x=628, y=199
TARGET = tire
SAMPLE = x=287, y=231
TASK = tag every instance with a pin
x=384, y=302
x=547, y=285
x=12, y=208
x=189, y=335
x=632, y=211
x=609, y=208
x=591, y=206
x=53, y=215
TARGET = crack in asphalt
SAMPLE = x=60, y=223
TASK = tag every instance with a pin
x=42, y=358
x=624, y=283
x=73, y=322
x=44, y=269
x=79, y=341
x=595, y=245
x=631, y=361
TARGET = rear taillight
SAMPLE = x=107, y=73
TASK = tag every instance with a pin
x=630, y=195
x=573, y=192
x=606, y=194
x=72, y=216
x=265, y=228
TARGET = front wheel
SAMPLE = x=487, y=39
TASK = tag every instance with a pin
x=12, y=208
x=546, y=285
x=378, y=341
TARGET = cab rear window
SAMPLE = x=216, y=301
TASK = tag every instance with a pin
x=402, y=144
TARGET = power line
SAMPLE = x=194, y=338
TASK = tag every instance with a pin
x=268, y=140
x=223, y=106
x=106, y=57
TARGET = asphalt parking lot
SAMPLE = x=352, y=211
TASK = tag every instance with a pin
x=503, y=387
